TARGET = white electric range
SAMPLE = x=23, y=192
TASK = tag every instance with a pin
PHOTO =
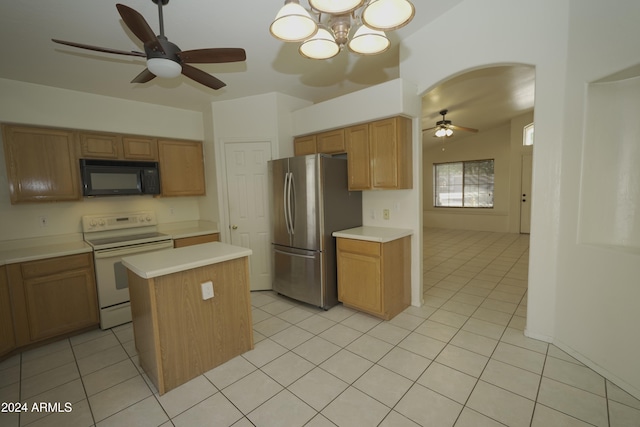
x=114, y=236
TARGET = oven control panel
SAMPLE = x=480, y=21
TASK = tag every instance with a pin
x=92, y=223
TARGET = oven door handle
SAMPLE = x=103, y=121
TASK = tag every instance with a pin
x=130, y=250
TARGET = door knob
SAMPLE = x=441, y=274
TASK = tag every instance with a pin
x=234, y=227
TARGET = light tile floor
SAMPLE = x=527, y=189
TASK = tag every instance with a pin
x=461, y=359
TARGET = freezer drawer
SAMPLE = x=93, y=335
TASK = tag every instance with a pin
x=298, y=274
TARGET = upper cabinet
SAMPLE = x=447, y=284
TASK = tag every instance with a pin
x=41, y=164
x=181, y=168
x=95, y=145
x=390, y=154
x=331, y=142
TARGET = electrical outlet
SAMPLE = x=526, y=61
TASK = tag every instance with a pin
x=385, y=213
x=43, y=221
x=207, y=290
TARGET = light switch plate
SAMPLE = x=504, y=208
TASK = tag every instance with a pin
x=207, y=290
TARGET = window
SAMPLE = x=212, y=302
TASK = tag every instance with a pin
x=464, y=184
x=527, y=135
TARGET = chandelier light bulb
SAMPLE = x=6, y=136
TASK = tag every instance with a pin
x=386, y=15
x=367, y=41
x=321, y=46
x=293, y=23
x=335, y=7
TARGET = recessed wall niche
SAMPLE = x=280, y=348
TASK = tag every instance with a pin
x=610, y=187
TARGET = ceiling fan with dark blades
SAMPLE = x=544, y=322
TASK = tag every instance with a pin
x=444, y=127
x=165, y=59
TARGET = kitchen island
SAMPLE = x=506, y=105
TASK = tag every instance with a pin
x=191, y=310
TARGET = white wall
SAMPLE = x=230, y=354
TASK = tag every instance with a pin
x=598, y=290
x=583, y=298
x=490, y=144
x=45, y=106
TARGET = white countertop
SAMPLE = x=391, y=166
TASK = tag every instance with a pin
x=179, y=230
x=373, y=234
x=23, y=250
x=170, y=261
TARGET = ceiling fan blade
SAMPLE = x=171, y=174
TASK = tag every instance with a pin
x=424, y=130
x=455, y=127
x=211, y=56
x=100, y=49
x=138, y=26
x=144, y=76
x=201, y=77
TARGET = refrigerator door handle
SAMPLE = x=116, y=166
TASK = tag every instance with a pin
x=294, y=255
x=292, y=203
x=285, y=201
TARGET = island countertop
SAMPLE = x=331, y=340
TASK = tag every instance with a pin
x=161, y=263
x=373, y=234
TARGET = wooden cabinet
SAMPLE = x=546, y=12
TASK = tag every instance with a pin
x=331, y=142
x=196, y=240
x=304, y=145
x=375, y=277
x=386, y=162
x=181, y=168
x=94, y=145
x=7, y=336
x=52, y=297
x=41, y=164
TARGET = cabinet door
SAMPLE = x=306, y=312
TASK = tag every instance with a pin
x=358, y=158
x=60, y=303
x=41, y=164
x=139, y=148
x=331, y=142
x=359, y=275
x=304, y=145
x=181, y=168
x=100, y=146
x=390, y=142
x=7, y=335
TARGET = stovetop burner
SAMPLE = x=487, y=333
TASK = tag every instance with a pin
x=127, y=239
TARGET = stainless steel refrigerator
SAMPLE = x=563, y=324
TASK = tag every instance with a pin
x=309, y=201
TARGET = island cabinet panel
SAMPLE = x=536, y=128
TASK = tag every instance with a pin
x=7, y=336
x=375, y=277
x=181, y=168
x=196, y=240
x=41, y=164
x=178, y=334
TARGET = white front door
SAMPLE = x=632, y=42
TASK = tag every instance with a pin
x=526, y=196
x=249, y=216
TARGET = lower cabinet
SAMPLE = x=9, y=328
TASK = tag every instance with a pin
x=52, y=297
x=196, y=240
x=7, y=336
x=375, y=277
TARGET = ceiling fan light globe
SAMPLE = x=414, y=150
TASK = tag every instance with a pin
x=440, y=132
x=321, y=46
x=293, y=23
x=448, y=132
x=335, y=7
x=386, y=15
x=162, y=67
x=367, y=41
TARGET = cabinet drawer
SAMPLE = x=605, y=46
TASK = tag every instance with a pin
x=362, y=247
x=196, y=240
x=49, y=266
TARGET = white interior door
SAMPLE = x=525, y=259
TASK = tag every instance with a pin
x=249, y=216
x=526, y=196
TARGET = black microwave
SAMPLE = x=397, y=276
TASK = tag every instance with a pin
x=118, y=178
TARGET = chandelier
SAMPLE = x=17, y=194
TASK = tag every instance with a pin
x=324, y=38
